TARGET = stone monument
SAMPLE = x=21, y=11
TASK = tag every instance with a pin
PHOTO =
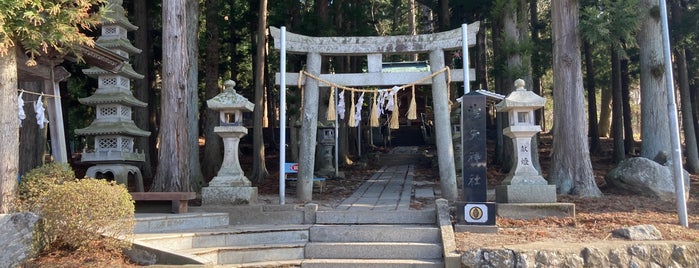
x=230, y=186
x=523, y=184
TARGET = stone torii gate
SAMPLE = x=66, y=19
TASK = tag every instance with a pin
x=374, y=48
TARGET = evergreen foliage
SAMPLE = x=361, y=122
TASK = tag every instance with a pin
x=45, y=26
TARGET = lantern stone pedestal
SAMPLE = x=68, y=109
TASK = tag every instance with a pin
x=230, y=186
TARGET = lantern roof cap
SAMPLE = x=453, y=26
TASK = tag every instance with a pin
x=520, y=98
x=229, y=99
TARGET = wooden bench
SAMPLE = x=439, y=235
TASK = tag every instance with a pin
x=179, y=199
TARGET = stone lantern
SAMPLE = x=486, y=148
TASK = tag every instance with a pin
x=524, y=184
x=326, y=143
x=230, y=186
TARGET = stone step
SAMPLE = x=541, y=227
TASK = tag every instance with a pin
x=166, y=222
x=263, y=264
x=427, y=216
x=368, y=250
x=249, y=254
x=231, y=236
x=262, y=214
x=375, y=233
x=383, y=263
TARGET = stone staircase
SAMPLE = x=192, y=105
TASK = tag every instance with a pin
x=374, y=246
x=408, y=238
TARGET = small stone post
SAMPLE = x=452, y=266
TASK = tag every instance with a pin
x=524, y=184
x=230, y=186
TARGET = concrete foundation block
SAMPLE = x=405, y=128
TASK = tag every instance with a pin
x=536, y=210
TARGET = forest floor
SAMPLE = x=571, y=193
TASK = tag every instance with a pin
x=594, y=220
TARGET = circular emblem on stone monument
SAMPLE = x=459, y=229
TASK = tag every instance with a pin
x=475, y=213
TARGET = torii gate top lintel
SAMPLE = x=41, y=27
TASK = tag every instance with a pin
x=362, y=45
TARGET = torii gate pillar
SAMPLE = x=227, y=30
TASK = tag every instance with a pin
x=442, y=123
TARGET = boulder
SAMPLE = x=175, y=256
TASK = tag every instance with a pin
x=16, y=232
x=646, y=177
x=639, y=232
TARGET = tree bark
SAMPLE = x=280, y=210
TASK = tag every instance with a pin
x=196, y=177
x=619, y=152
x=412, y=26
x=259, y=168
x=691, y=153
x=511, y=39
x=141, y=115
x=213, y=148
x=605, y=115
x=9, y=132
x=691, y=150
x=592, y=131
x=173, y=157
x=654, y=114
x=571, y=169
x=629, y=142
x=499, y=80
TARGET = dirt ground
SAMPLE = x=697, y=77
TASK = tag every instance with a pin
x=595, y=217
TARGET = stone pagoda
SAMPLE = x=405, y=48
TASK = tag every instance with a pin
x=113, y=129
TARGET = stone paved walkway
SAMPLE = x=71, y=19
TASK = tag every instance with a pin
x=388, y=189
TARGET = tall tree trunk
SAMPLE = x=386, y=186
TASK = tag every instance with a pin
x=592, y=131
x=654, y=114
x=444, y=16
x=500, y=83
x=9, y=132
x=481, y=60
x=617, y=111
x=412, y=26
x=691, y=153
x=173, y=157
x=513, y=71
x=605, y=115
x=196, y=177
x=571, y=169
x=141, y=87
x=629, y=143
x=259, y=168
x=213, y=148
x=537, y=68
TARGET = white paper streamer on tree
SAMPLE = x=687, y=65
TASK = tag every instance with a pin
x=340, y=107
x=20, y=109
x=39, y=109
x=358, y=109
